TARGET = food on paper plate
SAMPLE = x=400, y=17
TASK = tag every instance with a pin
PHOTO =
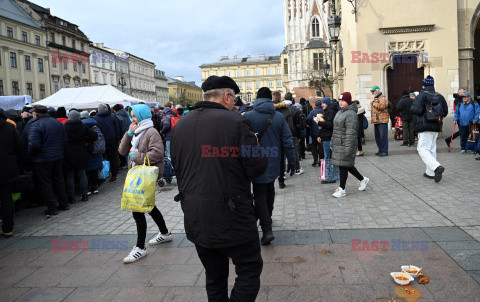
x=401, y=278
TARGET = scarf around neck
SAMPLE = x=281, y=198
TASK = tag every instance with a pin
x=142, y=127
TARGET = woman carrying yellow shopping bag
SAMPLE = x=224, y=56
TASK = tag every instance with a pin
x=143, y=143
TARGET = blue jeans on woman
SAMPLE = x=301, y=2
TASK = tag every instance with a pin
x=326, y=149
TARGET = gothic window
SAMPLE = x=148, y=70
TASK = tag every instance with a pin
x=317, y=61
x=315, y=28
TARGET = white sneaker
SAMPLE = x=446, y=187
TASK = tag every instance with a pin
x=363, y=183
x=339, y=193
x=135, y=254
x=160, y=238
x=299, y=171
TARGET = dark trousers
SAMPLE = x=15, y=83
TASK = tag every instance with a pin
x=264, y=197
x=111, y=154
x=408, y=133
x=248, y=266
x=381, y=137
x=359, y=142
x=123, y=160
x=49, y=178
x=302, y=147
x=7, y=207
x=141, y=222
x=317, y=150
x=297, y=151
x=344, y=175
x=70, y=182
x=281, y=177
x=464, y=131
x=92, y=177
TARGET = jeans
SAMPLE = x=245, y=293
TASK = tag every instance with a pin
x=297, y=151
x=70, y=182
x=464, y=131
x=141, y=222
x=327, y=151
x=49, y=178
x=344, y=175
x=248, y=266
x=381, y=137
x=427, y=149
x=7, y=207
x=167, y=148
x=408, y=133
x=112, y=155
x=281, y=177
x=264, y=197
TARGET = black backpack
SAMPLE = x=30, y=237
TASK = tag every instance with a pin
x=433, y=107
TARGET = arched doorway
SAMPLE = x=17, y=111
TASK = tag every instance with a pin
x=405, y=75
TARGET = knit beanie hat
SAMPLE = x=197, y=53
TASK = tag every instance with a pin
x=318, y=103
x=74, y=115
x=429, y=81
x=84, y=114
x=327, y=101
x=346, y=97
x=264, y=93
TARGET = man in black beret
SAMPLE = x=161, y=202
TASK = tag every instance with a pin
x=215, y=155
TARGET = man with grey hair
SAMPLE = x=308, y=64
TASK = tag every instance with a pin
x=110, y=128
x=215, y=155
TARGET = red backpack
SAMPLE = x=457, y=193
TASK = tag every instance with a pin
x=173, y=121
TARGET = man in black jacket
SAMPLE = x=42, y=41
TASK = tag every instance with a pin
x=110, y=128
x=215, y=155
x=403, y=107
x=428, y=130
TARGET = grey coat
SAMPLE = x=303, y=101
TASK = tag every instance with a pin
x=344, y=138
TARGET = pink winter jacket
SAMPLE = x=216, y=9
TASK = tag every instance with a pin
x=150, y=143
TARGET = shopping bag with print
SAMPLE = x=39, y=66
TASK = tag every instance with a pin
x=103, y=174
x=139, y=189
x=332, y=172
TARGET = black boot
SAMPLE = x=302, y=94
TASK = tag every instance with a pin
x=281, y=184
x=71, y=199
x=267, y=237
x=84, y=197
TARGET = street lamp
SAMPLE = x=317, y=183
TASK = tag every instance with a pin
x=334, y=23
x=122, y=82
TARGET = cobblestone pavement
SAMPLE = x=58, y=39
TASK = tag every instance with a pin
x=397, y=196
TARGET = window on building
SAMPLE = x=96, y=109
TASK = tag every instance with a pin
x=315, y=28
x=10, y=32
x=249, y=85
x=40, y=65
x=1, y=87
x=64, y=41
x=279, y=71
x=82, y=47
x=30, y=89
x=15, y=88
x=248, y=73
x=270, y=71
x=270, y=84
x=37, y=40
x=111, y=66
x=13, y=60
x=65, y=65
x=66, y=82
x=240, y=85
x=42, y=91
x=75, y=68
x=96, y=78
x=279, y=83
x=104, y=77
x=52, y=37
x=77, y=83
x=28, y=63
x=285, y=66
x=56, y=85
x=257, y=72
x=249, y=98
x=228, y=73
x=317, y=61
x=84, y=68
x=239, y=73
x=73, y=44
x=219, y=74
x=24, y=36
x=257, y=85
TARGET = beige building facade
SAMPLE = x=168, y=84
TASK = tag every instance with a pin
x=103, y=66
x=250, y=73
x=183, y=92
x=24, y=60
x=161, y=87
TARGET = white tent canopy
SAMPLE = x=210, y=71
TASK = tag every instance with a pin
x=89, y=97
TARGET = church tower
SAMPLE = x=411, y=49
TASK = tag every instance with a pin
x=307, y=47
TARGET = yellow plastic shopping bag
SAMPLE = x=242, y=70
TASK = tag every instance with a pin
x=139, y=189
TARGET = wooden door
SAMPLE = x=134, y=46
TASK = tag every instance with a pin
x=404, y=76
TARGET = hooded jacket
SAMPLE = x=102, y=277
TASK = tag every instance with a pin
x=78, y=135
x=418, y=110
x=326, y=129
x=403, y=107
x=46, y=140
x=108, y=124
x=380, y=110
x=314, y=130
x=344, y=138
x=287, y=114
x=278, y=136
x=95, y=161
x=214, y=177
x=466, y=113
x=125, y=121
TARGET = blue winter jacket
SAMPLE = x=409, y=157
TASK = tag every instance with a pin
x=167, y=130
x=109, y=125
x=314, y=131
x=125, y=121
x=278, y=136
x=95, y=161
x=466, y=113
x=46, y=140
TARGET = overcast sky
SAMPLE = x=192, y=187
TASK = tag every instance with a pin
x=179, y=36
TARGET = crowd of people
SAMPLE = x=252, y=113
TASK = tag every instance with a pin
x=66, y=152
